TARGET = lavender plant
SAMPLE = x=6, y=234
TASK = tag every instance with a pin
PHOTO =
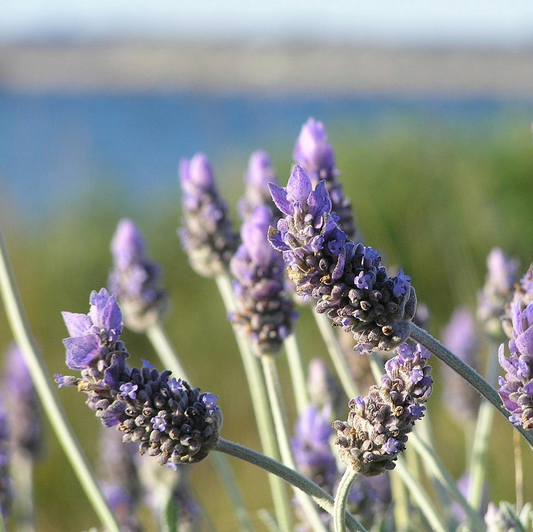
x=314, y=153
x=206, y=232
x=497, y=291
x=516, y=387
x=264, y=311
x=507, y=518
x=260, y=173
x=135, y=279
x=347, y=280
x=168, y=418
x=378, y=424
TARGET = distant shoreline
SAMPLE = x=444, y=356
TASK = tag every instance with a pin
x=230, y=68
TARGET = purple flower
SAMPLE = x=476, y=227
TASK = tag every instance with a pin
x=462, y=338
x=95, y=334
x=206, y=233
x=176, y=423
x=516, y=388
x=378, y=424
x=314, y=153
x=5, y=480
x=347, y=280
x=497, y=292
x=264, y=311
x=311, y=449
x=260, y=173
x=134, y=279
x=23, y=405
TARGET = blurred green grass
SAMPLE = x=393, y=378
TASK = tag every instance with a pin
x=434, y=201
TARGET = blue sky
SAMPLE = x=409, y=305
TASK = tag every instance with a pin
x=434, y=22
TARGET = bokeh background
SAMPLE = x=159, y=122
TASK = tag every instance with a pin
x=429, y=110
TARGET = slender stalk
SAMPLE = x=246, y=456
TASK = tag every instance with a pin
x=340, y=499
x=401, y=501
x=519, y=472
x=481, y=436
x=468, y=373
x=337, y=356
x=47, y=392
x=171, y=360
x=282, y=432
x=291, y=476
x=22, y=472
x=420, y=495
x=435, y=467
x=169, y=518
x=296, y=369
x=265, y=424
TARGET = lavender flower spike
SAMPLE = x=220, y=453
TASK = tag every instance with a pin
x=206, y=233
x=23, y=405
x=264, y=311
x=5, y=479
x=378, y=424
x=347, y=280
x=461, y=337
x=260, y=174
x=516, y=388
x=506, y=518
x=135, y=279
x=169, y=419
x=314, y=153
x=497, y=292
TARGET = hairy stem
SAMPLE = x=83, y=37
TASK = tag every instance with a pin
x=291, y=476
x=469, y=374
x=47, y=392
x=341, y=498
x=265, y=424
x=282, y=432
x=171, y=360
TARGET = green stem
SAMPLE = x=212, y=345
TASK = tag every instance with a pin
x=171, y=360
x=434, y=466
x=297, y=371
x=481, y=437
x=294, y=478
x=265, y=424
x=47, y=392
x=340, y=499
x=468, y=373
x=22, y=472
x=337, y=356
x=519, y=472
x=282, y=432
x=401, y=501
x=422, y=499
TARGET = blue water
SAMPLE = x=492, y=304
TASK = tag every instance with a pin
x=53, y=148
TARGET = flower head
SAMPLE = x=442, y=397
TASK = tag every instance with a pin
x=264, y=311
x=516, y=388
x=314, y=153
x=206, y=232
x=378, y=424
x=347, y=280
x=502, y=274
x=23, y=404
x=260, y=173
x=135, y=279
x=178, y=424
